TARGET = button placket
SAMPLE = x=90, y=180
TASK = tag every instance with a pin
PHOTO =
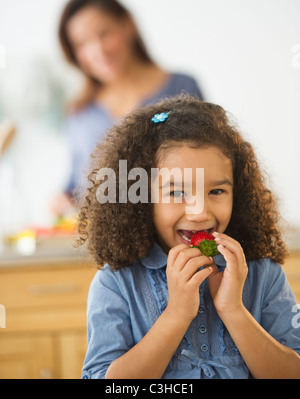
x=202, y=338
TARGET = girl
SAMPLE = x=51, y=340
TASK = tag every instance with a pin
x=101, y=39
x=154, y=311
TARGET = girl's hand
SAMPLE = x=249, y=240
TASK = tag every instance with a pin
x=184, y=280
x=226, y=287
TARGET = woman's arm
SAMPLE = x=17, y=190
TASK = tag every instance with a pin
x=150, y=357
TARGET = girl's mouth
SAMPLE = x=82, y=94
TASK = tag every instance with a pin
x=186, y=235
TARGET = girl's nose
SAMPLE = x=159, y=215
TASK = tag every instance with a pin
x=198, y=213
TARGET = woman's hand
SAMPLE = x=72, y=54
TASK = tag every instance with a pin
x=184, y=280
x=226, y=287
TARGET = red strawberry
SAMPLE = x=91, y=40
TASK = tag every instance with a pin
x=206, y=243
x=200, y=236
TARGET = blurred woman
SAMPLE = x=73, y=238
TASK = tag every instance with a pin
x=100, y=37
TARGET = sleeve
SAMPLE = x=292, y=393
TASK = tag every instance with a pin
x=182, y=83
x=108, y=325
x=194, y=89
x=187, y=84
x=279, y=309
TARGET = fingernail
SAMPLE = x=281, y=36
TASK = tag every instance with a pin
x=217, y=238
x=220, y=246
x=211, y=258
x=215, y=233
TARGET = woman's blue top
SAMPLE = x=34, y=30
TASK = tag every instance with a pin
x=88, y=126
x=123, y=305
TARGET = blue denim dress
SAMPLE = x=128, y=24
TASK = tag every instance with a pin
x=123, y=305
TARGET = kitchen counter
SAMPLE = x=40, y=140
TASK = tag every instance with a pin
x=60, y=249
x=51, y=250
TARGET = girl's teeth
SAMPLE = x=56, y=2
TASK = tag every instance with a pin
x=185, y=237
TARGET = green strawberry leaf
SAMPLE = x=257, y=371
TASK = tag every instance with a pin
x=208, y=247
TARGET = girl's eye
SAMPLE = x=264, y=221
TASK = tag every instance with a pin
x=217, y=191
x=178, y=193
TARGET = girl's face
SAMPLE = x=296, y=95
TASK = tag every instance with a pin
x=173, y=223
x=101, y=42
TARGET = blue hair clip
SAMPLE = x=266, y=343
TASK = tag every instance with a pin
x=160, y=117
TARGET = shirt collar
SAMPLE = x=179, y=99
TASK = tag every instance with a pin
x=157, y=258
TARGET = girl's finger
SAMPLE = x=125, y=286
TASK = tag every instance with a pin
x=230, y=257
x=233, y=267
x=194, y=264
x=222, y=237
x=233, y=246
x=200, y=276
x=214, y=269
x=184, y=256
x=173, y=253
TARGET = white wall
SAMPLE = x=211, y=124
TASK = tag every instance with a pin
x=244, y=55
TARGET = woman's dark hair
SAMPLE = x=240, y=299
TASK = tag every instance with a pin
x=121, y=233
x=112, y=7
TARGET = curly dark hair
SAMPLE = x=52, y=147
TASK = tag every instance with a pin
x=120, y=233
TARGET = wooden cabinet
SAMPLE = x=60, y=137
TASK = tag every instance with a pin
x=292, y=270
x=45, y=304
x=27, y=356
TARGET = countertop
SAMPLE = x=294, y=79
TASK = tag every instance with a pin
x=60, y=250
x=54, y=250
